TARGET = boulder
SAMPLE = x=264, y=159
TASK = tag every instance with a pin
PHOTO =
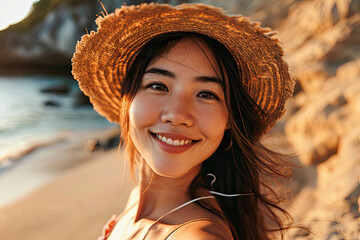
x=58, y=89
x=81, y=100
x=51, y=103
x=316, y=130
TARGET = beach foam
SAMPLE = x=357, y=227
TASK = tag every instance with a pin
x=43, y=162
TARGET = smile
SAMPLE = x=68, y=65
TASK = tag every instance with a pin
x=172, y=142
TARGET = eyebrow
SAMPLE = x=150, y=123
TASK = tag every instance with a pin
x=169, y=74
x=160, y=71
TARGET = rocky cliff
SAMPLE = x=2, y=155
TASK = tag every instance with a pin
x=322, y=123
x=322, y=39
x=46, y=38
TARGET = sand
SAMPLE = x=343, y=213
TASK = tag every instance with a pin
x=83, y=192
x=70, y=193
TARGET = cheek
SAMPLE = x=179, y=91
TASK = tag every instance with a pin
x=142, y=112
x=213, y=122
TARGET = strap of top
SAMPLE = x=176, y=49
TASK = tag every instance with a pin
x=109, y=227
x=198, y=220
x=174, y=210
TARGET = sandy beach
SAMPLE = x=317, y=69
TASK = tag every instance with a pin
x=63, y=191
x=76, y=197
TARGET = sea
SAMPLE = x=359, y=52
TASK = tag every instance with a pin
x=26, y=120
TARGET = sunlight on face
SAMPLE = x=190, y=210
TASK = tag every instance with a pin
x=13, y=11
x=178, y=116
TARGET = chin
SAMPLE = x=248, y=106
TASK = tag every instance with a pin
x=176, y=172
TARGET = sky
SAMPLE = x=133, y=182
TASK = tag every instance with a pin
x=13, y=11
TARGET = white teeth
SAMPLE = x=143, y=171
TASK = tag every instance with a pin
x=173, y=142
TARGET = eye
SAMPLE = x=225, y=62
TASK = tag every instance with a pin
x=208, y=95
x=157, y=86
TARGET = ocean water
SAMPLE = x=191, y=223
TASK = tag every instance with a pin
x=25, y=120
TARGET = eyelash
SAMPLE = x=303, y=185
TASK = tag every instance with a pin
x=155, y=86
x=212, y=95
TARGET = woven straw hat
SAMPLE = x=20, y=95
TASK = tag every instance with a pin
x=102, y=57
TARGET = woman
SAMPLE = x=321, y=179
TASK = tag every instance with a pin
x=193, y=91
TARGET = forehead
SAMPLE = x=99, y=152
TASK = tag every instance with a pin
x=189, y=45
x=193, y=53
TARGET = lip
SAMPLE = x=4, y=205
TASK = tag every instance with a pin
x=171, y=148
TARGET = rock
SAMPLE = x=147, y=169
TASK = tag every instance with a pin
x=110, y=141
x=58, y=89
x=50, y=103
x=81, y=100
x=50, y=41
x=312, y=78
x=349, y=147
x=319, y=37
x=323, y=120
x=91, y=145
x=353, y=201
x=330, y=207
x=47, y=37
x=270, y=13
x=349, y=70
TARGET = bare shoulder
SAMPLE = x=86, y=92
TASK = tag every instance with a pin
x=201, y=229
x=198, y=223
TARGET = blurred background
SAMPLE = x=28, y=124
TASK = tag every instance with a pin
x=60, y=170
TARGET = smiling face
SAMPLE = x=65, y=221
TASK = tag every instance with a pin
x=178, y=116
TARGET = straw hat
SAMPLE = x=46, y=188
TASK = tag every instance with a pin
x=102, y=57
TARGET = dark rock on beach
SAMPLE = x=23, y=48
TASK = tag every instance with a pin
x=51, y=103
x=81, y=100
x=59, y=89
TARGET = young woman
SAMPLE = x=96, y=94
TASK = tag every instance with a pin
x=193, y=91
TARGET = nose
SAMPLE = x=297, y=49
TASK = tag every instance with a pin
x=178, y=111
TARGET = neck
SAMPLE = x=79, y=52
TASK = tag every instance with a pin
x=159, y=195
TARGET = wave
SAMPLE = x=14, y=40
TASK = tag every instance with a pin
x=9, y=159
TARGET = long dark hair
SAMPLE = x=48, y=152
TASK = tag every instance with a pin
x=241, y=164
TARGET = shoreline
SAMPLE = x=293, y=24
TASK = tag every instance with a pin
x=12, y=158
x=34, y=166
x=76, y=190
